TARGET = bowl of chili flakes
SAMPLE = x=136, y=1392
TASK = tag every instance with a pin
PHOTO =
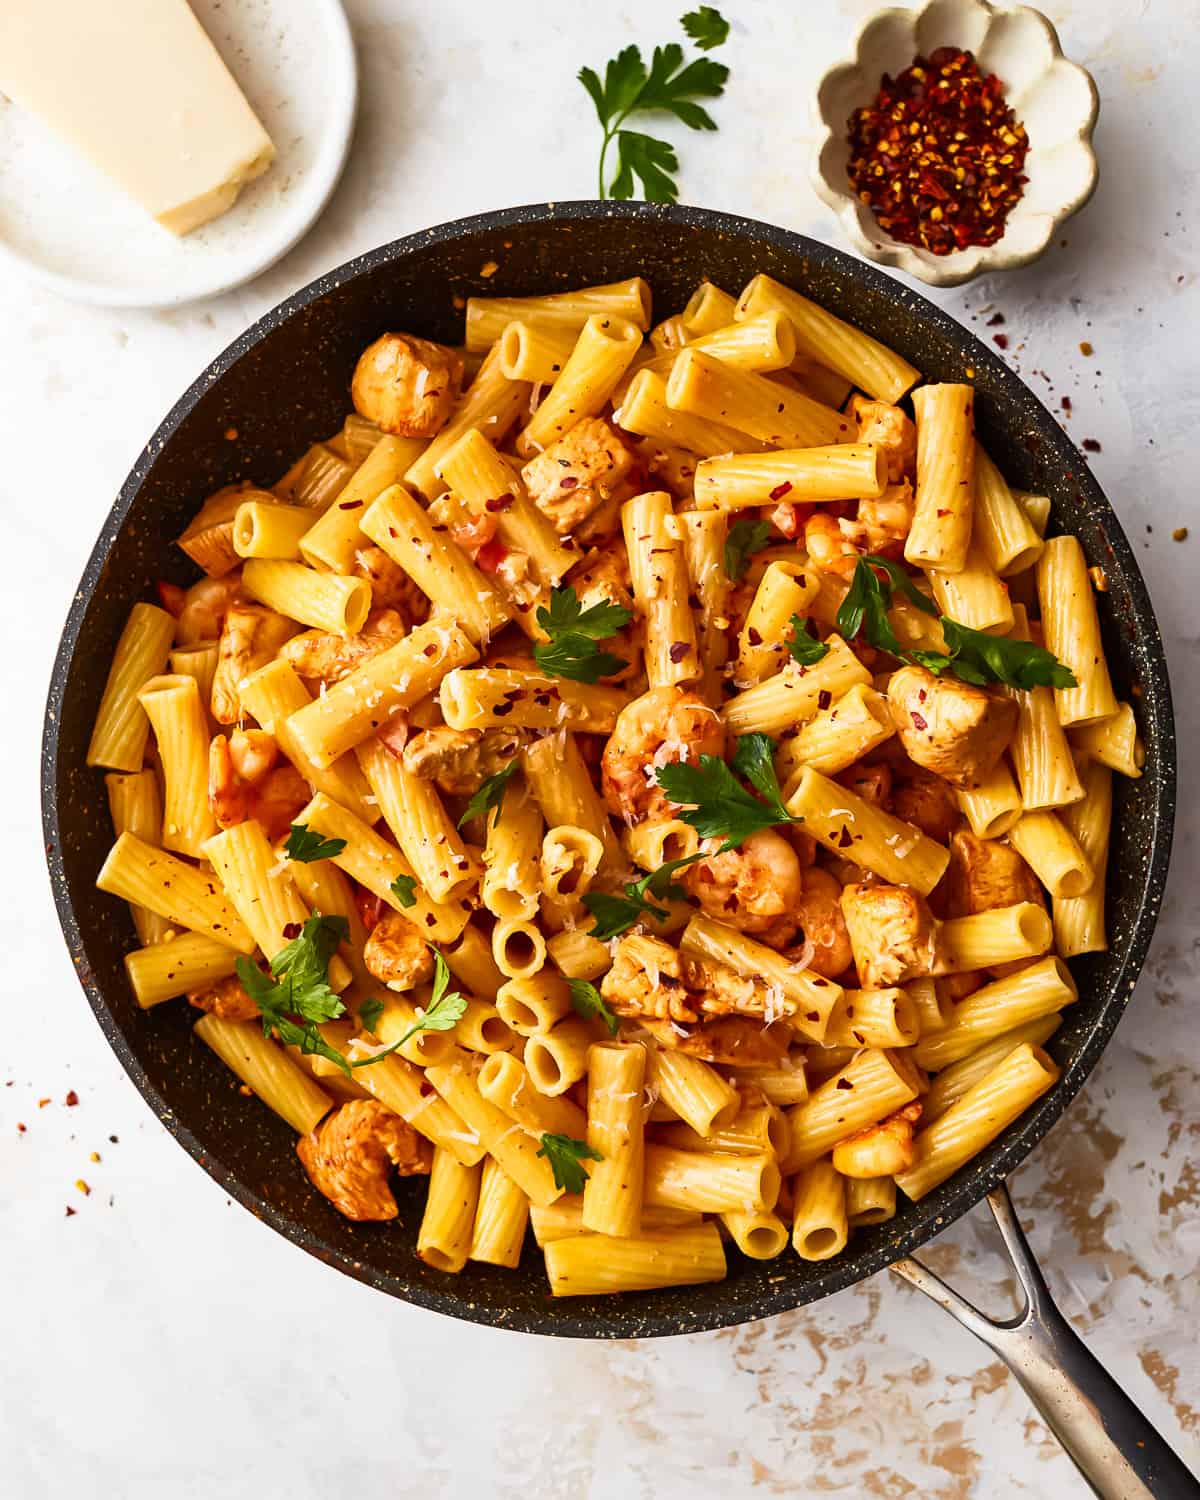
x=957, y=140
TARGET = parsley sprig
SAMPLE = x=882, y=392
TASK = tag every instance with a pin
x=669, y=86
x=443, y=1013
x=490, y=794
x=566, y=1156
x=404, y=888
x=745, y=538
x=573, y=631
x=803, y=646
x=971, y=655
x=617, y=914
x=305, y=845
x=589, y=1003
x=716, y=804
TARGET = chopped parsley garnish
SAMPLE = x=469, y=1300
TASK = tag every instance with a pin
x=490, y=794
x=803, y=646
x=404, y=888
x=571, y=650
x=305, y=845
x=617, y=914
x=716, y=804
x=566, y=1156
x=369, y=1012
x=589, y=1003
x=745, y=538
x=707, y=27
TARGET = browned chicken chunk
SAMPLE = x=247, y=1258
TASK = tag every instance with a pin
x=250, y=637
x=985, y=873
x=737, y=1041
x=925, y=801
x=892, y=932
x=226, y=999
x=352, y=1152
x=824, y=945
x=952, y=728
x=208, y=539
x=880, y=1150
x=320, y=656
x=577, y=474
x=406, y=385
x=397, y=954
x=391, y=587
x=459, y=761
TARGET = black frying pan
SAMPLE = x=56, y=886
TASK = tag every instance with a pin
x=285, y=383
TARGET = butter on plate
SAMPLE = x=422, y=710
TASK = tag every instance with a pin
x=137, y=87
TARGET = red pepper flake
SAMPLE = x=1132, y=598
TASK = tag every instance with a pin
x=919, y=722
x=753, y=636
x=995, y=320
x=938, y=155
x=291, y=930
x=72, y=1098
x=83, y=1187
x=1086, y=349
x=824, y=698
x=1000, y=340
x=501, y=502
x=70, y=1214
x=1091, y=445
x=42, y=1103
x=844, y=1083
x=21, y=1127
x=568, y=482
x=845, y=838
x=349, y=504
x=679, y=649
x=781, y=490
x=491, y=555
x=1066, y=404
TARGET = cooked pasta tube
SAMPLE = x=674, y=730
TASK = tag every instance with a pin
x=603, y=352
x=570, y=858
x=490, y=403
x=171, y=966
x=487, y=317
x=399, y=1017
x=999, y=935
x=478, y=697
x=869, y=1200
x=651, y=845
x=1036, y=507
x=444, y=1238
x=759, y=344
x=469, y=959
x=315, y=478
x=272, y=695
x=535, y=1004
x=974, y=595
x=660, y=590
x=757, y=1127
x=669, y=336
x=954, y=1081
x=412, y=808
x=504, y=1081
x=873, y=1018
x=563, y=1219
x=535, y=351
x=501, y=1218
x=364, y=700
x=173, y=707
x=578, y=955
x=785, y=1083
x=559, y=779
x=795, y=694
x=336, y=536
x=267, y=1070
x=359, y=436
x=820, y=1225
x=182, y=893
x=644, y=411
x=975, y=1120
x=1040, y=753
x=873, y=1084
x=844, y=471
x=856, y=830
x=838, y=345
x=438, y=567
x=994, y=805
x=805, y=999
x=850, y=727
x=785, y=590
x=513, y=1148
x=1003, y=531
x=703, y=535
x=199, y=662
x=509, y=888
x=1113, y=742
x=708, y=308
x=1053, y=853
x=612, y=1195
x=326, y=601
x=1039, y=990
x=588, y=1265
x=823, y=1062
x=940, y=534
x=934, y=1008
x=761, y=1236
x=557, y=1058
x=701, y=386
x=119, y=736
x=1071, y=627
x=402, y=1088
x=261, y=529
x=710, y=1182
x=135, y=806
x=518, y=947
x=374, y=863
x=1079, y=920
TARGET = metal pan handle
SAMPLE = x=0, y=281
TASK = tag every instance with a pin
x=1112, y=1444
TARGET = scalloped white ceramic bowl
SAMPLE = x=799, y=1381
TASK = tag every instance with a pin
x=1056, y=100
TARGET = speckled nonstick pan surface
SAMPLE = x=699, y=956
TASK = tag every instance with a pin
x=285, y=383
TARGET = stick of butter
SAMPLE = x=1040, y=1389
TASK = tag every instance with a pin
x=137, y=87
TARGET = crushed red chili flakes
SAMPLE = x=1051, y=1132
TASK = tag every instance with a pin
x=938, y=155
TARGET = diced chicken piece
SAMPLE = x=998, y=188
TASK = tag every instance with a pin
x=825, y=943
x=926, y=801
x=397, y=953
x=226, y=999
x=736, y=1041
x=407, y=385
x=250, y=637
x=892, y=430
x=674, y=467
x=892, y=932
x=352, y=1152
x=319, y=656
x=652, y=981
x=208, y=539
x=880, y=1150
x=870, y=780
x=577, y=474
x=754, y=888
x=985, y=873
x=458, y=761
x=952, y=728
x=392, y=590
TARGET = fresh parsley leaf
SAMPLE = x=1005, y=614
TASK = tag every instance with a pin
x=803, y=645
x=669, y=86
x=617, y=914
x=566, y=1156
x=441, y=1014
x=905, y=582
x=744, y=539
x=716, y=804
x=571, y=650
x=369, y=1012
x=404, y=888
x=298, y=987
x=490, y=794
x=305, y=845
x=996, y=658
x=707, y=27
x=589, y=1003
x=754, y=758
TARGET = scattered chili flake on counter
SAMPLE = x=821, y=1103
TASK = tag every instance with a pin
x=1180, y=534
x=1091, y=445
x=1085, y=348
x=938, y=155
x=72, y=1098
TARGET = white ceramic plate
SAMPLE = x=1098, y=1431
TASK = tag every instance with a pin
x=68, y=226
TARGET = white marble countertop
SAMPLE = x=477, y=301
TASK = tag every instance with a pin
x=161, y=1342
